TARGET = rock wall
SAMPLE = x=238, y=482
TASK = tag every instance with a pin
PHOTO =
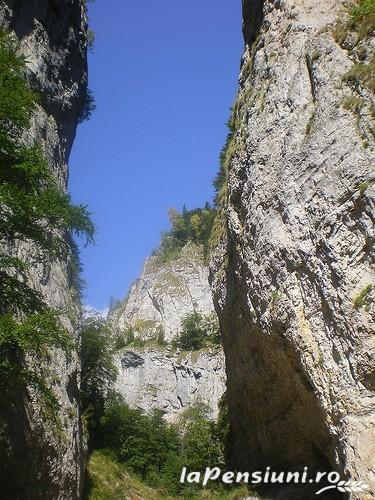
x=153, y=378
x=291, y=273
x=160, y=377
x=44, y=459
x=165, y=293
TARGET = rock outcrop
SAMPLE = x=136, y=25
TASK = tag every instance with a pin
x=45, y=457
x=292, y=275
x=156, y=375
x=155, y=379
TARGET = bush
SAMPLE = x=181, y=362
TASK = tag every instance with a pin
x=362, y=17
x=156, y=450
x=198, y=331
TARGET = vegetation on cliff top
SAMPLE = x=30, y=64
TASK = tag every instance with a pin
x=190, y=225
x=34, y=215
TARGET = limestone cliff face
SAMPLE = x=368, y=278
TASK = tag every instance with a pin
x=165, y=293
x=291, y=275
x=44, y=459
x=152, y=378
x=159, y=377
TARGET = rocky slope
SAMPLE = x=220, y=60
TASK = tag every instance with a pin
x=42, y=459
x=292, y=273
x=157, y=376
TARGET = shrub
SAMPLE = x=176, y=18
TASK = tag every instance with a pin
x=88, y=108
x=359, y=301
x=362, y=17
x=198, y=331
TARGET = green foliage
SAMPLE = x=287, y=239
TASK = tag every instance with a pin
x=363, y=187
x=75, y=280
x=89, y=106
x=33, y=210
x=198, y=331
x=29, y=338
x=359, y=301
x=362, y=74
x=362, y=17
x=98, y=370
x=129, y=335
x=155, y=450
x=190, y=225
x=143, y=442
x=199, y=448
x=225, y=158
x=108, y=479
x=90, y=39
x=361, y=20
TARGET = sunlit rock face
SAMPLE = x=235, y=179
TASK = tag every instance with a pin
x=152, y=378
x=291, y=274
x=159, y=376
x=165, y=293
x=42, y=458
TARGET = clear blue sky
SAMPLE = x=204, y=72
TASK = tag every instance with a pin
x=164, y=75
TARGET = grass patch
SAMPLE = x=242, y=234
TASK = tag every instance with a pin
x=310, y=123
x=360, y=19
x=361, y=74
x=360, y=300
x=107, y=479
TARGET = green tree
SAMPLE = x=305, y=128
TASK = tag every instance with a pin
x=141, y=441
x=197, y=331
x=190, y=225
x=199, y=447
x=98, y=371
x=193, y=335
x=34, y=214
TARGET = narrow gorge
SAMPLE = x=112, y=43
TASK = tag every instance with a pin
x=155, y=374
x=248, y=338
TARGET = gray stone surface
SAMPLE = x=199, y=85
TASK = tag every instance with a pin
x=299, y=249
x=167, y=380
x=44, y=461
x=165, y=293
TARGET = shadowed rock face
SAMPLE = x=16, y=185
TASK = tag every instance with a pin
x=298, y=252
x=252, y=19
x=38, y=458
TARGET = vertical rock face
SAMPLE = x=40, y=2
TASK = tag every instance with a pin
x=165, y=293
x=44, y=459
x=156, y=375
x=292, y=275
x=152, y=378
